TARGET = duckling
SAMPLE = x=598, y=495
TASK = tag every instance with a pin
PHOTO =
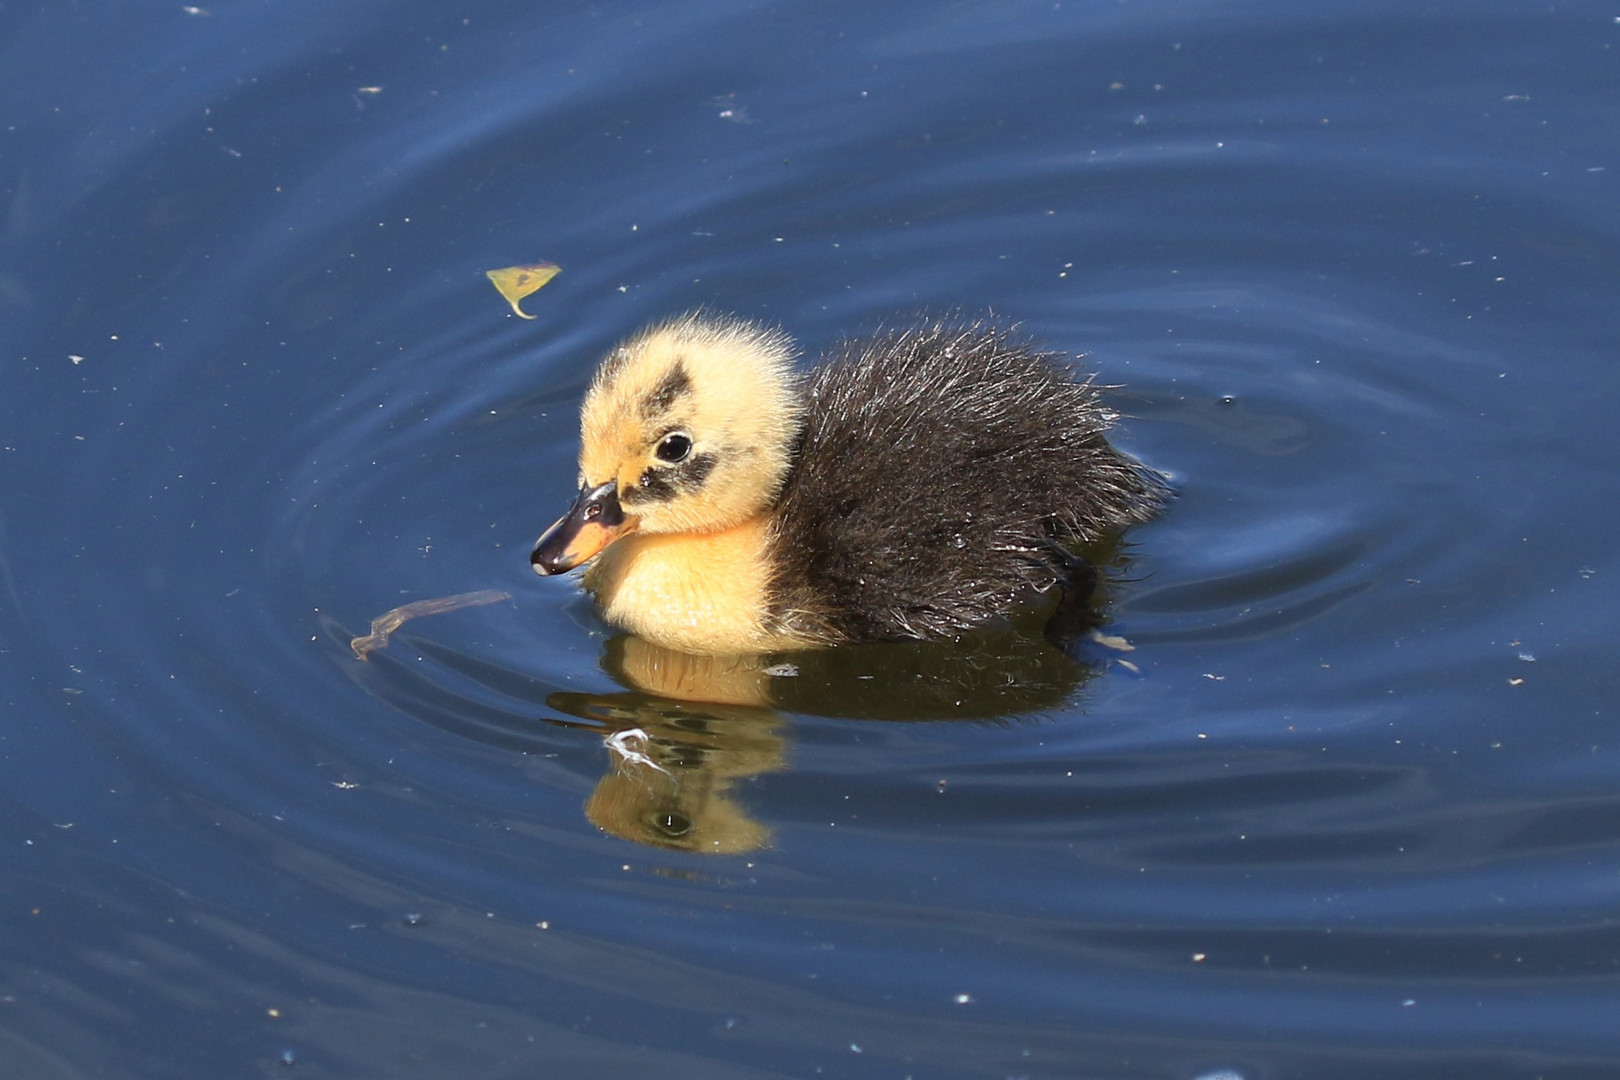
x=916, y=485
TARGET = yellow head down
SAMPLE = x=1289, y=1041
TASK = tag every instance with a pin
x=694, y=420
x=688, y=427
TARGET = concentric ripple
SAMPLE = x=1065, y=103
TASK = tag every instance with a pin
x=1330, y=794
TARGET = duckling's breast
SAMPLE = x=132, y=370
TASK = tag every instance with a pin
x=697, y=592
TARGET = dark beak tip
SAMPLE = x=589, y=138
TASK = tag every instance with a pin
x=559, y=549
x=548, y=563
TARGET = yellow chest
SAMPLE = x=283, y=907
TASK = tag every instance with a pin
x=695, y=592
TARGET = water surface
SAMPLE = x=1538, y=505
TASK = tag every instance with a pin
x=1348, y=810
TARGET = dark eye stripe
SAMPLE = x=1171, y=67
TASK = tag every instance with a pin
x=664, y=484
x=654, y=486
x=695, y=471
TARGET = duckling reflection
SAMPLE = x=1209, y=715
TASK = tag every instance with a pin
x=690, y=727
x=674, y=764
x=988, y=676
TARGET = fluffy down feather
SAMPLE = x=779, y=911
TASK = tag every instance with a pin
x=915, y=485
x=939, y=474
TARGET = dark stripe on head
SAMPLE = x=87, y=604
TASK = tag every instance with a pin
x=673, y=386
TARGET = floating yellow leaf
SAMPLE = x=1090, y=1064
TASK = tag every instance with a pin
x=516, y=282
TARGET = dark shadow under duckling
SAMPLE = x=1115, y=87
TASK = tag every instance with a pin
x=916, y=485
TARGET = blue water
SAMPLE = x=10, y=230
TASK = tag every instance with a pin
x=1349, y=808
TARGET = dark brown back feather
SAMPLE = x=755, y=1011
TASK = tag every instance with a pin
x=939, y=471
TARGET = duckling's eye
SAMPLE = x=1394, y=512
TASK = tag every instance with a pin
x=671, y=823
x=673, y=447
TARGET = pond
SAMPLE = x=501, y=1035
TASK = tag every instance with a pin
x=1332, y=794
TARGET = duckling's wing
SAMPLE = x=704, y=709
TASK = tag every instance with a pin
x=938, y=469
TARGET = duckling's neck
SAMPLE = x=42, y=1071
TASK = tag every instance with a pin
x=695, y=592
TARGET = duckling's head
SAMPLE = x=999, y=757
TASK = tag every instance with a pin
x=688, y=427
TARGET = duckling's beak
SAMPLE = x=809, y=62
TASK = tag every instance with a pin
x=594, y=521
